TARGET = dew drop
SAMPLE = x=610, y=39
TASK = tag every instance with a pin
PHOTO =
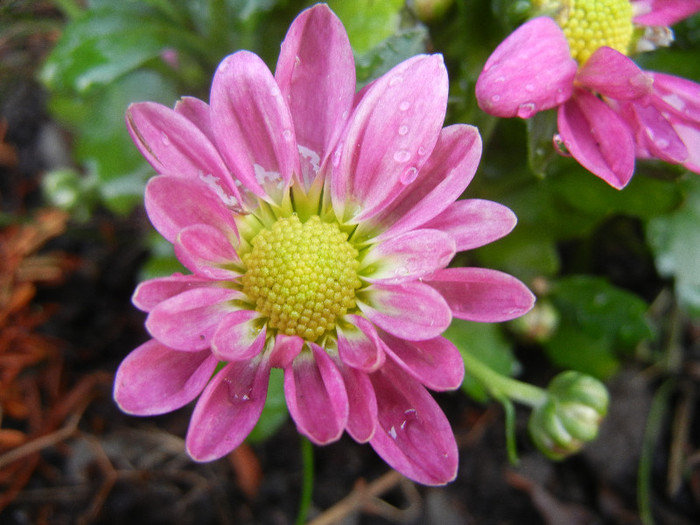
x=662, y=143
x=165, y=139
x=408, y=176
x=561, y=145
x=500, y=80
x=529, y=87
x=236, y=394
x=404, y=105
x=421, y=151
x=345, y=115
x=495, y=98
x=560, y=97
x=336, y=158
x=402, y=155
x=526, y=110
x=403, y=130
x=287, y=134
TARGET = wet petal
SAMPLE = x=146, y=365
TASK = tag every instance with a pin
x=238, y=336
x=228, y=409
x=412, y=311
x=173, y=203
x=316, y=396
x=316, y=74
x=359, y=345
x=474, y=222
x=436, y=363
x=663, y=12
x=206, y=251
x=408, y=256
x=597, y=138
x=448, y=171
x=252, y=124
x=614, y=75
x=676, y=95
x=188, y=320
x=480, y=294
x=389, y=137
x=658, y=135
x=155, y=379
x=530, y=71
x=413, y=435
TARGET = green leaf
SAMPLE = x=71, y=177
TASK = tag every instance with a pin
x=368, y=22
x=486, y=342
x=675, y=241
x=598, y=321
x=389, y=53
x=275, y=412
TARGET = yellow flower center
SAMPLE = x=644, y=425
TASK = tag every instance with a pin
x=590, y=24
x=302, y=277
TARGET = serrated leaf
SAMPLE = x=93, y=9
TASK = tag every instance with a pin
x=486, y=342
x=675, y=241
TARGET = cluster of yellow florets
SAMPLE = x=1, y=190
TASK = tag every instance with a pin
x=302, y=276
x=590, y=24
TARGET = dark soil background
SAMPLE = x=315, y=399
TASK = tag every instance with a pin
x=69, y=456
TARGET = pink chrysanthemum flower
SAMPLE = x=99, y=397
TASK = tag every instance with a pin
x=609, y=110
x=318, y=224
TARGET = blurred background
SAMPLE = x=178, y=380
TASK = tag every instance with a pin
x=617, y=275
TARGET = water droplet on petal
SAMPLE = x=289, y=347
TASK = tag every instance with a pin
x=165, y=139
x=500, y=80
x=529, y=87
x=402, y=155
x=236, y=394
x=345, y=115
x=560, y=97
x=408, y=176
x=421, y=151
x=561, y=145
x=526, y=110
x=287, y=134
x=403, y=130
x=495, y=98
x=336, y=158
x=404, y=105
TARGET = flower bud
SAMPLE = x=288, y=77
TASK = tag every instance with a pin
x=571, y=416
x=430, y=10
x=539, y=324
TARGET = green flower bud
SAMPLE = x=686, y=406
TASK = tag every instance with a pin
x=571, y=416
x=539, y=324
x=430, y=10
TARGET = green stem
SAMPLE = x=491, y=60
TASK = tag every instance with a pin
x=501, y=386
x=307, y=487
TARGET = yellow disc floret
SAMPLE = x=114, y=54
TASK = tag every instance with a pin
x=590, y=24
x=302, y=277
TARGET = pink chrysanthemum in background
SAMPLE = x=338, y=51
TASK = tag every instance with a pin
x=318, y=225
x=609, y=110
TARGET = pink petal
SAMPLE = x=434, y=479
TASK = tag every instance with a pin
x=150, y=293
x=690, y=135
x=316, y=74
x=480, y=294
x=173, y=203
x=663, y=12
x=228, y=409
x=359, y=345
x=530, y=71
x=597, y=138
x=474, y=222
x=408, y=256
x=252, y=124
x=436, y=363
x=316, y=396
x=412, y=311
x=239, y=336
x=174, y=145
x=362, y=403
x=389, y=137
x=198, y=112
x=658, y=136
x=154, y=379
x=677, y=95
x=285, y=349
x=206, y=251
x=188, y=320
x=413, y=435
x=443, y=178
x=614, y=75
